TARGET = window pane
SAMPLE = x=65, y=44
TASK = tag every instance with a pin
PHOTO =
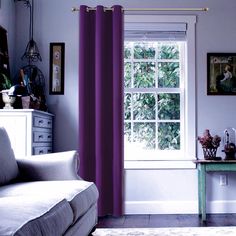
x=168, y=74
x=168, y=51
x=144, y=135
x=144, y=74
x=127, y=131
x=127, y=74
x=169, y=106
x=169, y=136
x=144, y=106
x=127, y=106
x=127, y=50
x=144, y=50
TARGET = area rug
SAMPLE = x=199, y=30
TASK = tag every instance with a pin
x=192, y=231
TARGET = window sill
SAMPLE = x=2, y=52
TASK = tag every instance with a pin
x=160, y=164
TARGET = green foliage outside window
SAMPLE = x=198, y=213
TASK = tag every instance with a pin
x=168, y=74
x=127, y=106
x=168, y=136
x=144, y=74
x=127, y=74
x=145, y=133
x=168, y=51
x=144, y=51
x=127, y=131
x=144, y=106
x=169, y=106
x=127, y=51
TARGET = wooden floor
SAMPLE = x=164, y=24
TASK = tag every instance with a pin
x=146, y=221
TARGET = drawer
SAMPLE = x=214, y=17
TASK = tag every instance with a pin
x=42, y=137
x=42, y=122
x=41, y=150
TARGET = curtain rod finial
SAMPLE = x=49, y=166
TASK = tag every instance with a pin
x=205, y=9
x=73, y=9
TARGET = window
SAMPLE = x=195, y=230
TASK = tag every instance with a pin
x=154, y=74
x=156, y=99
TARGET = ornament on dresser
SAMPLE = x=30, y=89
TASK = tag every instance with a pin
x=32, y=78
x=229, y=143
x=26, y=90
x=5, y=85
x=9, y=91
x=210, y=145
x=7, y=99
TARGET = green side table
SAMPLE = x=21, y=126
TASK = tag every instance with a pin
x=203, y=167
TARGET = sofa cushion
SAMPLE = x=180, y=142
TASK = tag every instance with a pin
x=79, y=193
x=86, y=197
x=38, y=216
x=8, y=168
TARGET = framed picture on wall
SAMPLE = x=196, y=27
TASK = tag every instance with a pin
x=57, y=68
x=221, y=73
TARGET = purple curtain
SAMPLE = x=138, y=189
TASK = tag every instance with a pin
x=101, y=104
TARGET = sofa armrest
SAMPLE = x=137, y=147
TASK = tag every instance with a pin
x=53, y=166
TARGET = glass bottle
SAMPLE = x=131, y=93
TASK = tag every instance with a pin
x=229, y=143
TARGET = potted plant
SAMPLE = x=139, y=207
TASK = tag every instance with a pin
x=209, y=144
x=5, y=82
x=9, y=91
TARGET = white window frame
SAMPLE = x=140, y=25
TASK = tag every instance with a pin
x=189, y=116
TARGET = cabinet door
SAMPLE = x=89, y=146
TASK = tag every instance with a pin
x=16, y=127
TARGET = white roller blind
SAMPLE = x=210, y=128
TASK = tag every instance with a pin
x=155, y=31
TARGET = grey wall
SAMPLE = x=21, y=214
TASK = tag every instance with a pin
x=145, y=190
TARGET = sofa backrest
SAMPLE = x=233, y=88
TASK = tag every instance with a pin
x=8, y=165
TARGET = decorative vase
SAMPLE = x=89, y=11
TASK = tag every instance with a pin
x=7, y=99
x=25, y=102
x=209, y=153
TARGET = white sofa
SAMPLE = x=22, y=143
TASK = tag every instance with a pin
x=42, y=195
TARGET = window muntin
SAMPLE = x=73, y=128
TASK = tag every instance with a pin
x=154, y=100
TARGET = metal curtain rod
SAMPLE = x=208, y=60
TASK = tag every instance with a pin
x=73, y=9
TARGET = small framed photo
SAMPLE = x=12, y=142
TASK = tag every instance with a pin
x=221, y=73
x=57, y=68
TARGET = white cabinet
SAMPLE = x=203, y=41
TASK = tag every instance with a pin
x=30, y=131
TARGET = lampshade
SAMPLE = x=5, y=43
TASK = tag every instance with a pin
x=31, y=52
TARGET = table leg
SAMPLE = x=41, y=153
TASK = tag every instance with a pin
x=199, y=192
x=202, y=191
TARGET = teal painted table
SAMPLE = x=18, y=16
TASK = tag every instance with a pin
x=203, y=167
